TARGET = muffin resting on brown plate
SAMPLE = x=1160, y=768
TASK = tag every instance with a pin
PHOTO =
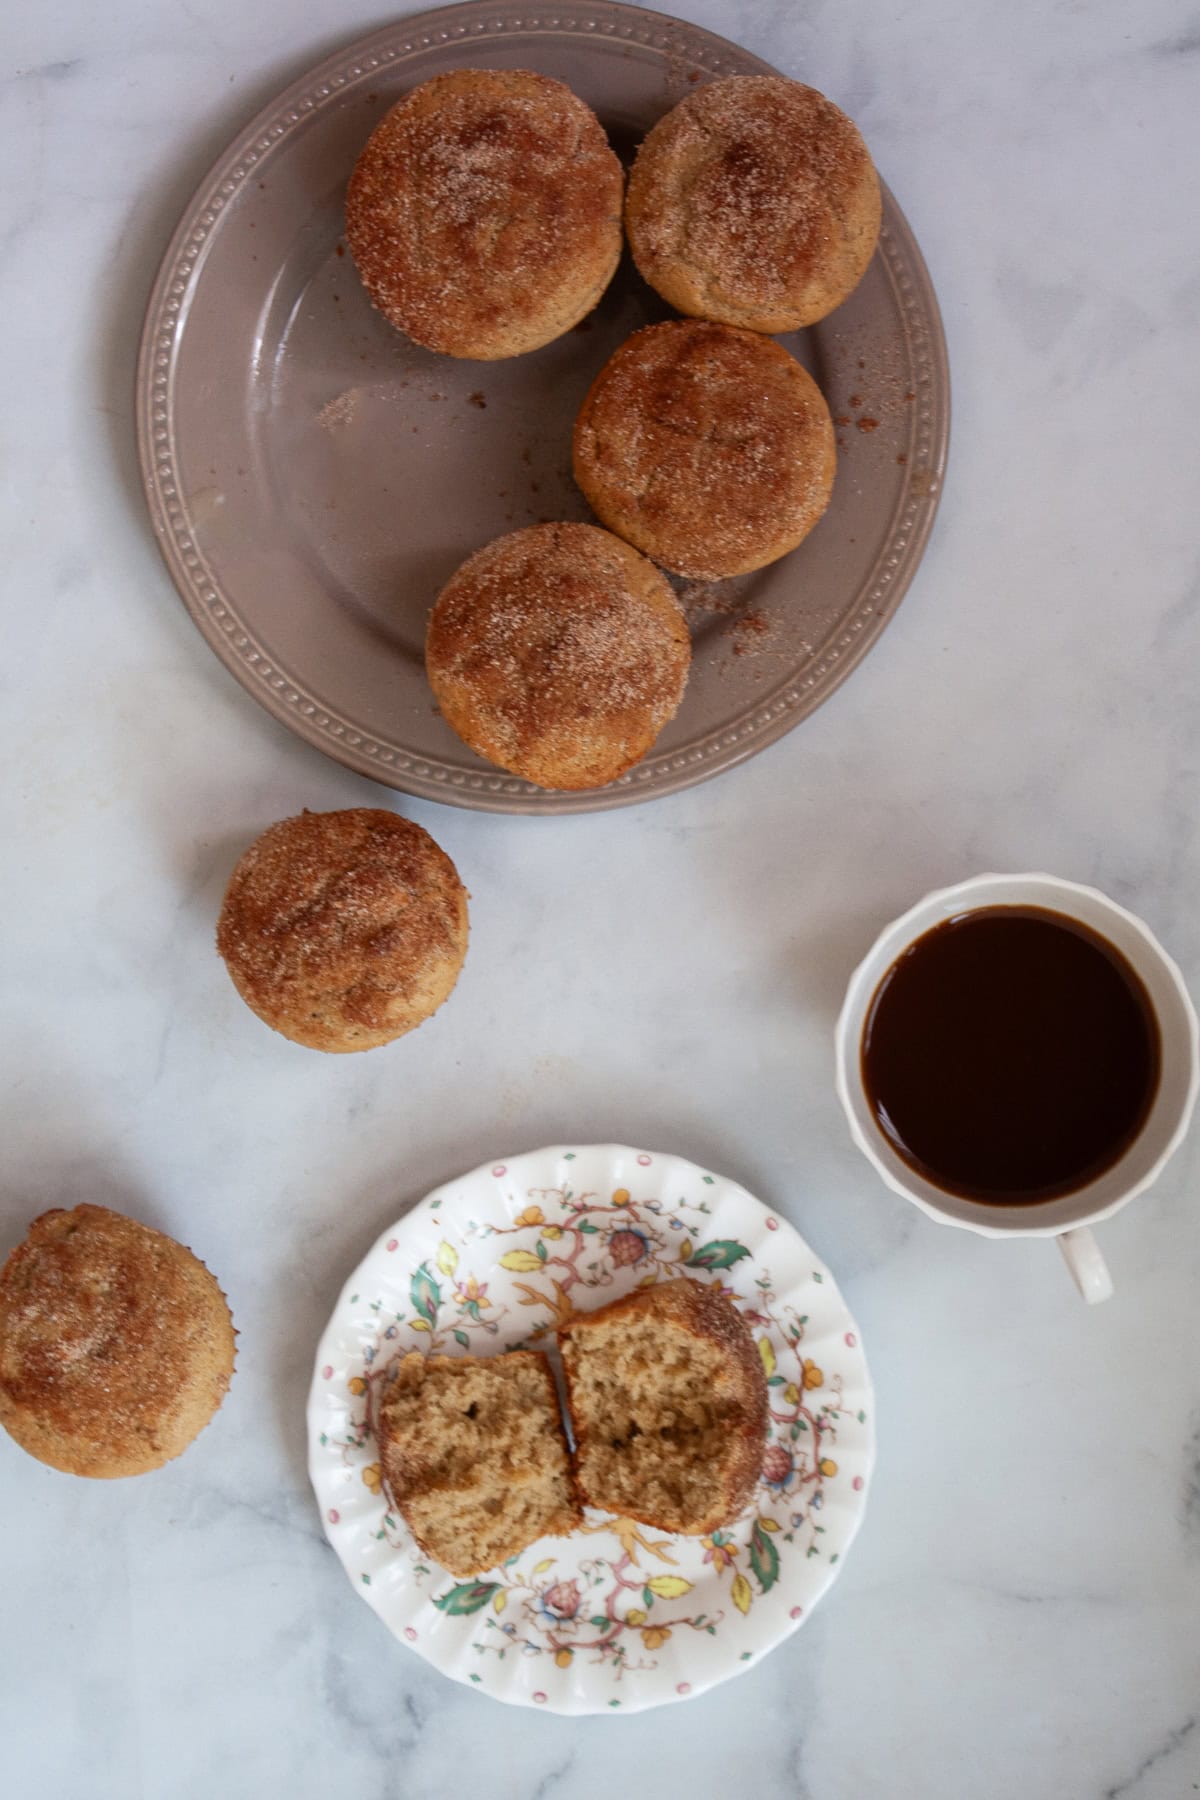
x=709, y=448
x=668, y=1403
x=558, y=653
x=754, y=201
x=475, y=1458
x=484, y=214
x=344, y=930
x=116, y=1344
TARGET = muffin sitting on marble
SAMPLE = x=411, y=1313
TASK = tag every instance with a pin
x=344, y=930
x=116, y=1344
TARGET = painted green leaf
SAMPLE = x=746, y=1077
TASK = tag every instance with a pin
x=600, y=1622
x=425, y=1294
x=764, y=1558
x=542, y=1250
x=647, y=1597
x=775, y=1381
x=462, y=1338
x=467, y=1597
x=719, y=1253
x=585, y=1225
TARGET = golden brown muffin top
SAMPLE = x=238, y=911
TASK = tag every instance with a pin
x=558, y=652
x=763, y=194
x=116, y=1344
x=484, y=203
x=346, y=915
x=708, y=447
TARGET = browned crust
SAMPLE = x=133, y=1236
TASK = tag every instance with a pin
x=709, y=448
x=484, y=214
x=116, y=1344
x=755, y=202
x=558, y=653
x=403, y=1476
x=344, y=930
x=707, y=1313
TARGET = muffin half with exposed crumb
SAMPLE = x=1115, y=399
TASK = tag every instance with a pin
x=668, y=1403
x=116, y=1344
x=344, y=930
x=558, y=653
x=474, y=1456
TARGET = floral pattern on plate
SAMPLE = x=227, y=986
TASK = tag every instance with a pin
x=617, y=1615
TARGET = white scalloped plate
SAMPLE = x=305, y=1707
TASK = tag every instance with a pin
x=617, y=1616
x=314, y=478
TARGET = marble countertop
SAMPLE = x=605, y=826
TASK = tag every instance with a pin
x=1020, y=1614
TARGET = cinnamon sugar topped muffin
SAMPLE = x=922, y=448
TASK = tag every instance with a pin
x=116, y=1344
x=709, y=448
x=344, y=930
x=484, y=214
x=754, y=202
x=559, y=653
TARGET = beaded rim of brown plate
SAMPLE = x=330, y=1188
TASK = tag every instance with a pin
x=283, y=692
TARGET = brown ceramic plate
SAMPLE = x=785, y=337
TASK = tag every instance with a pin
x=314, y=478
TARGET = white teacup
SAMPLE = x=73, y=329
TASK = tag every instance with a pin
x=1067, y=1217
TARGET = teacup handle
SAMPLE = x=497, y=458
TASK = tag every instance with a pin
x=1084, y=1259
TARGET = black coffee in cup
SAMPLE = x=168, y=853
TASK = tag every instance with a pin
x=1011, y=1055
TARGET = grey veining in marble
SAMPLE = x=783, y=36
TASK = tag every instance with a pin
x=1021, y=1615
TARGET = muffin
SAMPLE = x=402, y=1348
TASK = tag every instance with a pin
x=344, y=930
x=707, y=447
x=668, y=1404
x=755, y=202
x=116, y=1344
x=558, y=653
x=484, y=214
x=474, y=1456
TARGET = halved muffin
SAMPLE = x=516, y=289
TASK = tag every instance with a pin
x=474, y=1456
x=668, y=1402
